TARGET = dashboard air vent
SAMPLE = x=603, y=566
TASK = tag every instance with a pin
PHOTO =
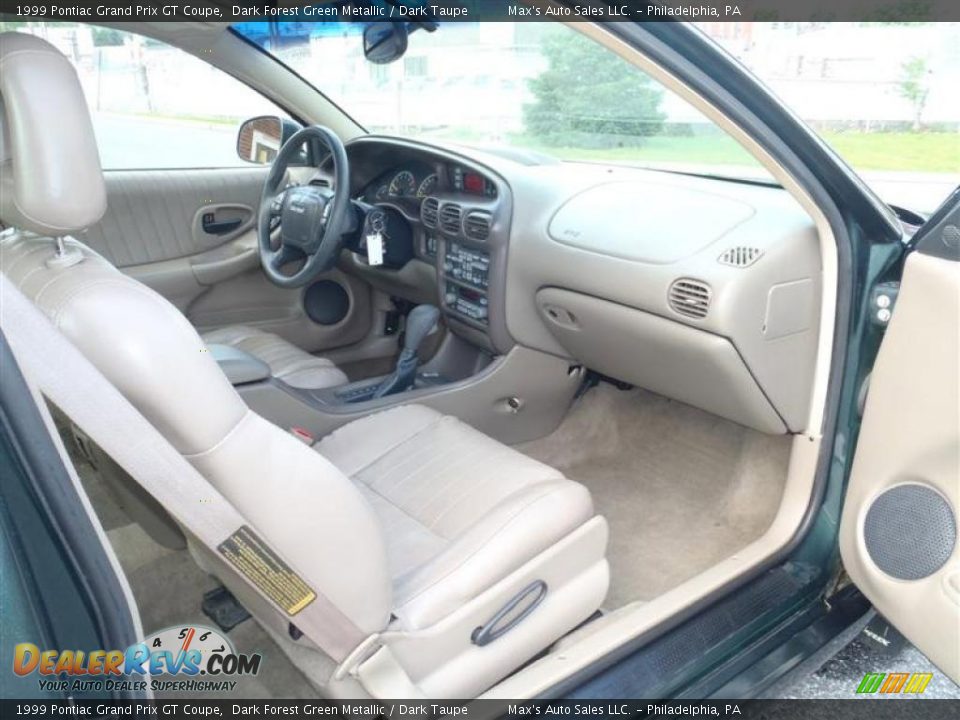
x=320, y=182
x=476, y=225
x=450, y=218
x=689, y=297
x=430, y=212
x=740, y=257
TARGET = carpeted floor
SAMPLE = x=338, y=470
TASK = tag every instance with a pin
x=682, y=489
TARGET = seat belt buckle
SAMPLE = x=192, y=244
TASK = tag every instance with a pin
x=303, y=435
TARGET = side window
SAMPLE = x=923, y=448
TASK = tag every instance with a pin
x=155, y=106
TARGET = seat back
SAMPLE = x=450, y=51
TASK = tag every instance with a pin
x=297, y=500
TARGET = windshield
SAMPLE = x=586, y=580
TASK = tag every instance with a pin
x=546, y=87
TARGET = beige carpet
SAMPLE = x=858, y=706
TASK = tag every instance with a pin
x=681, y=488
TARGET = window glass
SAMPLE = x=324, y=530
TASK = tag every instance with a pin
x=153, y=106
x=541, y=86
x=882, y=94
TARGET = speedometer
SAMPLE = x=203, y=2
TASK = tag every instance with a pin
x=428, y=185
x=403, y=184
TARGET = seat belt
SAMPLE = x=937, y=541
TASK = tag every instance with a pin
x=80, y=390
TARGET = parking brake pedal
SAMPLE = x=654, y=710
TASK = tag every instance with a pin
x=223, y=608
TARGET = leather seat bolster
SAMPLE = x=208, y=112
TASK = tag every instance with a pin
x=141, y=342
x=309, y=511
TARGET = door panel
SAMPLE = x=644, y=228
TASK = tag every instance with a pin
x=156, y=215
x=898, y=534
x=190, y=235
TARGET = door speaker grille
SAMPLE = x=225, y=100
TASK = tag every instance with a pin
x=910, y=531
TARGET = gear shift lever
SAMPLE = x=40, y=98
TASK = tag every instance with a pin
x=420, y=322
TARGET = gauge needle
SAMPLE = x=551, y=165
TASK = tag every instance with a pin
x=187, y=639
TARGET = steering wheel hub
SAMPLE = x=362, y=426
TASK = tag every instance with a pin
x=302, y=217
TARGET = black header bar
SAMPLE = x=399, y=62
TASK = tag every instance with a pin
x=199, y=709
x=113, y=11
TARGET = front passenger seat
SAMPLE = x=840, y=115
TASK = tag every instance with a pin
x=418, y=529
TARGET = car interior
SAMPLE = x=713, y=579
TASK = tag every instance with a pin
x=506, y=414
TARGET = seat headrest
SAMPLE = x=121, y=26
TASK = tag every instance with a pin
x=50, y=177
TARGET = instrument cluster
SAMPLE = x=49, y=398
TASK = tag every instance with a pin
x=407, y=184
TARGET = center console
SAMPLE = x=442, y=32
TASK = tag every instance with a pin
x=466, y=275
x=470, y=233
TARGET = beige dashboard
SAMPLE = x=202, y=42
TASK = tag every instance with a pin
x=700, y=289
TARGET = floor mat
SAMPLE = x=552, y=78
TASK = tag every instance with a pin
x=682, y=489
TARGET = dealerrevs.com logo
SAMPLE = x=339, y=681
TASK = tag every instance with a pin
x=189, y=658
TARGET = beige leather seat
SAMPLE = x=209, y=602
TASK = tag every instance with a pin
x=287, y=362
x=459, y=509
x=415, y=527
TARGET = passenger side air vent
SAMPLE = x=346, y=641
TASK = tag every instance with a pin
x=476, y=225
x=689, y=297
x=450, y=218
x=740, y=257
x=430, y=212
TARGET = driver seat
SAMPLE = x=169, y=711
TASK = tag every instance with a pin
x=286, y=361
x=421, y=532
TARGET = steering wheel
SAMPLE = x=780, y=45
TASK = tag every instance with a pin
x=311, y=220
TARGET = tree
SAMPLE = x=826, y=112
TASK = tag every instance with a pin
x=589, y=97
x=914, y=87
x=107, y=37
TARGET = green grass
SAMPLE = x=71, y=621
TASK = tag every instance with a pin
x=704, y=150
x=901, y=151
x=919, y=152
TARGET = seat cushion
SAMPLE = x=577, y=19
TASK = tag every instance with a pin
x=459, y=510
x=287, y=362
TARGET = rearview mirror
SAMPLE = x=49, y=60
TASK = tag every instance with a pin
x=384, y=42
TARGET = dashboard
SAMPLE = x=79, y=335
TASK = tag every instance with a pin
x=702, y=290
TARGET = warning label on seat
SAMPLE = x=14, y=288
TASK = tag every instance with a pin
x=254, y=559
